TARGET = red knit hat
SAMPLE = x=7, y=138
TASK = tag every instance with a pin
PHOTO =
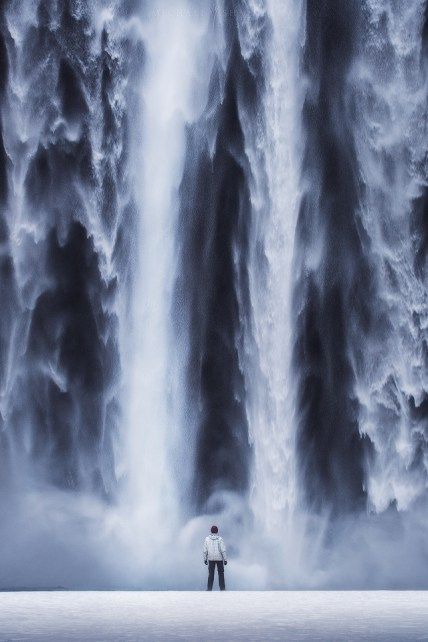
x=214, y=529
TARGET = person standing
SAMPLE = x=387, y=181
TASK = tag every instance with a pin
x=215, y=553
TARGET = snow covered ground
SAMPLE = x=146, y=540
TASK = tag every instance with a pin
x=251, y=616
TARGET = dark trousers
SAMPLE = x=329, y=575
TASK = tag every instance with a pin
x=220, y=569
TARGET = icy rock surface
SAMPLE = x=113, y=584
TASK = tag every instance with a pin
x=330, y=616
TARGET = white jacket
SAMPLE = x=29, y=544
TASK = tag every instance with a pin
x=214, y=548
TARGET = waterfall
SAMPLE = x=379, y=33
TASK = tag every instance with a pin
x=65, y=211
x=170, y=96
x=389, y=80
x=214, y=305
x=275, y=152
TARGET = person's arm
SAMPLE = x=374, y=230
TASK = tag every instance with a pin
x=205, y=551
x=223, y=550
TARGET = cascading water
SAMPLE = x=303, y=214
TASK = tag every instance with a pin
x=214, y=303
x=274, y=150
x=169, y=100
x=67, y=216
x=391, y=143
